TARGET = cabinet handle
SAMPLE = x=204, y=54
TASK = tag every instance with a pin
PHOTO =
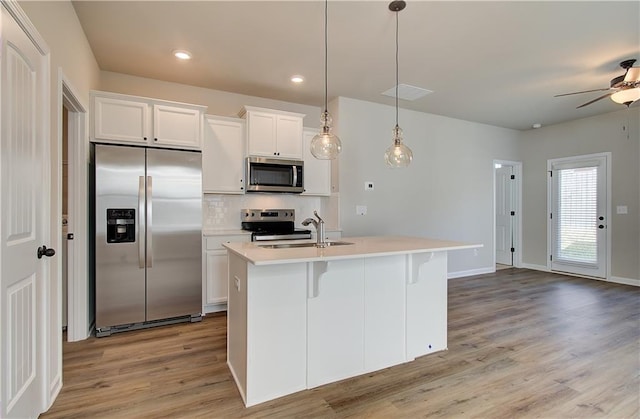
x=155, y=139
x=145, y=138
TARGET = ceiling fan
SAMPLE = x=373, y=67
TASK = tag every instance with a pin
x=624, y=89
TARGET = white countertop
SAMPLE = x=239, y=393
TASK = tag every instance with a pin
x=361, y=247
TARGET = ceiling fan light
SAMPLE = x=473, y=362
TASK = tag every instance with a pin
x=626, y=95
x=633, y=75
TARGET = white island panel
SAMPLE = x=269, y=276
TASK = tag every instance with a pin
x=276, y=331
x=426, y=304
x=385, y=311
x=336, y=318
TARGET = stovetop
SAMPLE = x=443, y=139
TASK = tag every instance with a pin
x=272, y=224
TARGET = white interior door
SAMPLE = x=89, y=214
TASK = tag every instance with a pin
x=504, y=217
x=578, y=215
x=24, y=215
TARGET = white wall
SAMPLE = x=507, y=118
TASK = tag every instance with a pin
x=597, y=134
x=447, y=192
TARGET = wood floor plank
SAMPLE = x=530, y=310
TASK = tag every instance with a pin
x=521, y=343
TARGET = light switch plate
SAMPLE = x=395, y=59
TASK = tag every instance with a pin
x=361, y=209
x=621, y=209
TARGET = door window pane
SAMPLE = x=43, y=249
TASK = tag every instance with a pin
x=577, y=225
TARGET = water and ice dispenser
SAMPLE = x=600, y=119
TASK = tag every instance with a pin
x=121, y=225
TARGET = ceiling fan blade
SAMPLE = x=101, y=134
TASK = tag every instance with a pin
x=584, y=91
x=633, y=75
x=595, y=100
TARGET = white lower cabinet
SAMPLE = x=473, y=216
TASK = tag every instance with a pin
x=214, y=287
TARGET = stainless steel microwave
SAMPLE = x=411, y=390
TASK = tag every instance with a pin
x=274, y=175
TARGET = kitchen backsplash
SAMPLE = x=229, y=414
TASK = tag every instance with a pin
x=222, y=212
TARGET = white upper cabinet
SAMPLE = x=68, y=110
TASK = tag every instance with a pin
x=317, y=173
x=223, y=155
x=136, y=120
x=272, y=133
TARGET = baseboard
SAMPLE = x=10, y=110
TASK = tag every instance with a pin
x=535, y=267
x=214, y=308
x=625, y=281
x=471, y=272
x=614, y=279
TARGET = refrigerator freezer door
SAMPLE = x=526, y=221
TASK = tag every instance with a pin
x=174, y=249
x=120, y=278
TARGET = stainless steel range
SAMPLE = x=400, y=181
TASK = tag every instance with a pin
x=272, y=224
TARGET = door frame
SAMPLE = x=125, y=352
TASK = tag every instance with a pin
x=550, y=163
x=517, y=222
x=78, y=319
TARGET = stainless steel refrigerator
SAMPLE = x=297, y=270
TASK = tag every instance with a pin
x=148, y=237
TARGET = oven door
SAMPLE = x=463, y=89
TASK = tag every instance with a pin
x=274, y=175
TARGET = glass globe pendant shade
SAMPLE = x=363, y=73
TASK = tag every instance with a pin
x=398, y=155
x=325, y=145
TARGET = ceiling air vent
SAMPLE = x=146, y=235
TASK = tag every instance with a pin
x=407, y=92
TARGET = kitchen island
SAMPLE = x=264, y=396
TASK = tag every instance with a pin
x=301, y=317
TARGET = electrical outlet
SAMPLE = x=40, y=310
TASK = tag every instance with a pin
x=361, y=209
x=368, y=186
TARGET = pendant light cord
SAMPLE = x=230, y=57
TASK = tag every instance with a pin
x=397, y=68
x=326, y=47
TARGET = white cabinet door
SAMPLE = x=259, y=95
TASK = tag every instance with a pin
x=223, y=156
x=261, y=134
x=426, y=304
x=317, y=173
x=137, y=120
x=177, y=126
x=120, y=120
x=384, y=312
x=215, y=288
x=272, y=133
x=335, y=313
x=289, y=136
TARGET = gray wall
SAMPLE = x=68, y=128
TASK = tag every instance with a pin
x=602, y=133
x=447, y=192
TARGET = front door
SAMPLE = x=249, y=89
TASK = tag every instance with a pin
x=24, y=218
x=578, y=215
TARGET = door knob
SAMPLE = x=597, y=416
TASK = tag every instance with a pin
x=44, y=251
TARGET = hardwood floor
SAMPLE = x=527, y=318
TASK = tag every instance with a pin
x=521, y=344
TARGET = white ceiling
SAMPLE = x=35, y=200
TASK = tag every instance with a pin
x=498, y=63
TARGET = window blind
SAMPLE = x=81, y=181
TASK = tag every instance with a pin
x=576, y=218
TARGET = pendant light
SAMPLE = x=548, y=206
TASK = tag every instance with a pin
x=325, y=145
x=397, y=155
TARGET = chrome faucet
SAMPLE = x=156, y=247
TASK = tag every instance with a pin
x=319, y=225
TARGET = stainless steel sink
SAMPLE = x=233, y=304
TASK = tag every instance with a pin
x=294, y=245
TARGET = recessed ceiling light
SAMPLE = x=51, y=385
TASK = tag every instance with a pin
x=536, y=126
x=182, y=54
x=297, y=79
